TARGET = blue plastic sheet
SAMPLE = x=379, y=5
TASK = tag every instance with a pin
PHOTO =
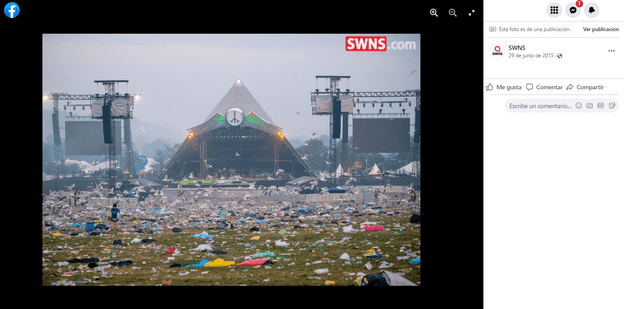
x=204, y=235
x=201, y=264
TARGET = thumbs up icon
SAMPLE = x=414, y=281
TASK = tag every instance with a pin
x=489, y=87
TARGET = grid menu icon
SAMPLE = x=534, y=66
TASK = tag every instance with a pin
x=553, y=9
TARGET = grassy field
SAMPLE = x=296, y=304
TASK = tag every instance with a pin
x=310, y=248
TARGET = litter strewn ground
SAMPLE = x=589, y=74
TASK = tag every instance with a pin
x=199, y=241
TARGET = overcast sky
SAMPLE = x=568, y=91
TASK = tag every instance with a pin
x=182, y=77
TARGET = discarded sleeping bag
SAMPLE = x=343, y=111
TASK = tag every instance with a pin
x=415, y=218
x=383, y=278
x=374, y=228
x=255, y=262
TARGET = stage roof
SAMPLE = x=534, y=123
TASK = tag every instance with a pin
x=239, y=96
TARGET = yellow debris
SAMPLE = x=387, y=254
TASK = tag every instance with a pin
x=219, y=263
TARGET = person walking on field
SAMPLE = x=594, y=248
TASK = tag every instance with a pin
x=114, y=216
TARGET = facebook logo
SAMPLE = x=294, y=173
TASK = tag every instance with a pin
x=11, y=10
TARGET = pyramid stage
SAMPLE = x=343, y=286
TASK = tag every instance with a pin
x=237, y=138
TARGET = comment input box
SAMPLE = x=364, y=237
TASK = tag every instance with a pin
x=563, y=105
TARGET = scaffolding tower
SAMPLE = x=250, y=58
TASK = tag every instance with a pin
x=107, y=117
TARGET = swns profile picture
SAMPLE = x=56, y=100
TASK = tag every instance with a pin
x=496, y=51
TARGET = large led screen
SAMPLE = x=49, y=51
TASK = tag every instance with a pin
x=381, y=135
x=86, y=138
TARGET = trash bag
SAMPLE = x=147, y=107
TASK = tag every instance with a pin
x=178, y=265
x=102, y=227
x=89, y=260
x=222, y=225
x=122, y=263
x=203, y=247
x=254, y=229
x=415, y=218
x=375, y=280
